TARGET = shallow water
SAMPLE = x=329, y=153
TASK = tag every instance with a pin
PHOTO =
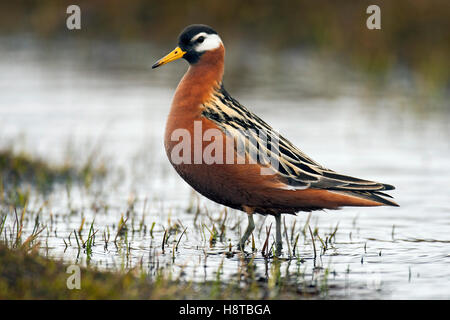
x=106, y=98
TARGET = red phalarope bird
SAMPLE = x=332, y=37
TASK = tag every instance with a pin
x=294, y=181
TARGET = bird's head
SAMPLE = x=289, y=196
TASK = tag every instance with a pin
x=193, y=43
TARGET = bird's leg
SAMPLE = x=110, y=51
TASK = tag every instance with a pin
x=250, y=228
x=279, y=242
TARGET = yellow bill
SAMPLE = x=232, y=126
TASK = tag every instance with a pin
x=176, y=53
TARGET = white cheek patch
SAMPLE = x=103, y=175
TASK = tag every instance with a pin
x=212, y=41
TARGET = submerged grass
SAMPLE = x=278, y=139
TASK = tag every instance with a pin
x=25, y=274
x=29, y=276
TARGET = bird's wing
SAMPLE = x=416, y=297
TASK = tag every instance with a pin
x=294, y=168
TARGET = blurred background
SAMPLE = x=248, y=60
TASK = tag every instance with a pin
x=74, y=85
x=412, y=46
x=283, y=50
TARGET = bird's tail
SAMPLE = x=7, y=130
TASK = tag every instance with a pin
x=376, y=196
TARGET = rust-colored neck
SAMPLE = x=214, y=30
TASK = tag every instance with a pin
x=192, y=92
x=199, y=81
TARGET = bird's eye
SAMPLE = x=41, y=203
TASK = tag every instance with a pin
x=200, y=39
